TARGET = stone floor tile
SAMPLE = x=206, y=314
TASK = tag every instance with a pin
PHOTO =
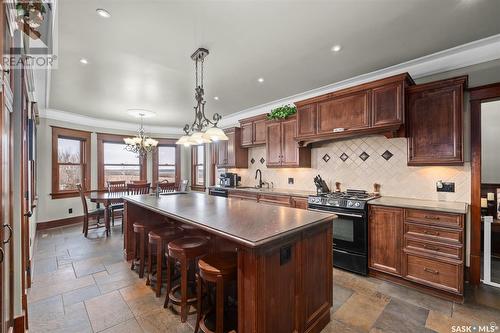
x=340, y=296
x=361, y=311
x=416, y=298
x=484, y=295
x=60, y=275
x=400, y=317
x=44, y=265
x=475, y=314
x=111, y=282
x=129, y=326
x=88, y=266
x=73, y=319
x=336, y=326
x=360, y=284
x=440, y=323
x=38, y=292
x=107, y=311
x=141, y=299
x=80, y=295
x=163, y=321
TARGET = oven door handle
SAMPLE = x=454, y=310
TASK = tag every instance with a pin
x=336, y=213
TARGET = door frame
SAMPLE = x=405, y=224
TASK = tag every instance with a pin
x=478, y=95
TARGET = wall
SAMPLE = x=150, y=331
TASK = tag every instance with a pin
x=490, y=140
x=49, y=209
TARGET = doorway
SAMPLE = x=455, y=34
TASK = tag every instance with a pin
x=485, y=190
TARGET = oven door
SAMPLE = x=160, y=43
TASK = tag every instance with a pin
x=349, y=230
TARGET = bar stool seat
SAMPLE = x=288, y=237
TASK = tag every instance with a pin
x=185, y=250
x=218, y=268
x=141, y=230
x=158, y=239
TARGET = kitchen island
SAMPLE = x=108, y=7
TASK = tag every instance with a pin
x=284, y=255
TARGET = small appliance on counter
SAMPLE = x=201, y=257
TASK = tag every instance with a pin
x=229, y=179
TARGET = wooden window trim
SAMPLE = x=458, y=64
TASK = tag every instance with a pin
x=194, y=157
x=103, y=138
x=84, y=137
x=167, y=143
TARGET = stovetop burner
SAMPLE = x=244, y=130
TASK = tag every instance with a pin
x=353, y=199
x=350, y=194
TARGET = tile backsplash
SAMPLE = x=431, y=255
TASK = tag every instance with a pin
x=358, y=164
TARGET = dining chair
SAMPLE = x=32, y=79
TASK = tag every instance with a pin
x=116, y=186
x=183, y=185
x=97, y=213
x=138, y=188
x=165, y=187
x=138, y=182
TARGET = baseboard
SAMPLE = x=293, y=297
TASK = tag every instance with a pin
x=59, y=223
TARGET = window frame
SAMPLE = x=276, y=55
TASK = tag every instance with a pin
x=103, y=138
x=85, y=160
x=194, y=159
x=155, y=159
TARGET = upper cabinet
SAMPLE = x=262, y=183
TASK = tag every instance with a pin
x=230, y=154
x=282, y=149
x=375, y=107
x=253, y=131
x=435, y=122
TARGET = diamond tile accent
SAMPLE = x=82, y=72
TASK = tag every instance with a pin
x=252, y=160
x=344, y=157
x=326, y=158
x=387, y=155
x=262, y=160
x=364, y=156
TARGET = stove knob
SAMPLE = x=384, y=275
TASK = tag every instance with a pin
x=336, y=203
x=331, y=202
x=357, y=204
x=349, y=203
x=318, y=200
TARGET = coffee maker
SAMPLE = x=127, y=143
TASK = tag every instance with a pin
x=229, y=179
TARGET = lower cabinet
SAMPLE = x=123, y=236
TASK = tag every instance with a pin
x=270, y=198
x=419, y=248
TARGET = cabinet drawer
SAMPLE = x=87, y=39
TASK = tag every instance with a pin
x=434, y=233
x=434, y=248
x=243, y=195
x=430, y=217
x=275, y=199
x=434, y=273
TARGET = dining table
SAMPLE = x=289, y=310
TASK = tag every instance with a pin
x=107, y=199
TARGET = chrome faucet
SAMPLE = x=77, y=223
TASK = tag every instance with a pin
x=259, y=172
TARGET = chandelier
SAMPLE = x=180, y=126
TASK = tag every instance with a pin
x=141, y=144
x=197, y=133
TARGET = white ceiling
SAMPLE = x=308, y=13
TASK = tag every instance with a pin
x=140, y=57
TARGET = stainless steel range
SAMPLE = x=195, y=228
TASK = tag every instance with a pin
x=350, y=229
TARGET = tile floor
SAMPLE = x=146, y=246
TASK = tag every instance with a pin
x=83, y=285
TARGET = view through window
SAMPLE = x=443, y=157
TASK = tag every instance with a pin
x=166, y=163
x=120, y=164
x=199, y=165
x=69, y=158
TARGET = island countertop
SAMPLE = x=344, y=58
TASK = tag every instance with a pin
x=248, y=223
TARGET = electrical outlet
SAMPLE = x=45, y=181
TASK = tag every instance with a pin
x=290, y=181
x=445, y=187
x=70, y=211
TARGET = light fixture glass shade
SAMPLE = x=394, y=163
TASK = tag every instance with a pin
x=197, y=139
x=183, y=140
x=215, y=134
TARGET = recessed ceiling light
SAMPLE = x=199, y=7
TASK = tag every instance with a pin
x=336, y=48
x=216, y=98
x=84, y=61
x=260, y=79
x=103, y=13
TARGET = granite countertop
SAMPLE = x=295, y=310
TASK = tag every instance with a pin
x=277, y=191
x=441, y=206
x=245, y=222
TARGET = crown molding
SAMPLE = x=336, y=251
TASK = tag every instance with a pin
x=476, y=52
x=75, y=118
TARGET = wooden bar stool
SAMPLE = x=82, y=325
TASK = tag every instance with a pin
x=141, y=231
x=158, y=240
x=185, y=250
x=217, y=268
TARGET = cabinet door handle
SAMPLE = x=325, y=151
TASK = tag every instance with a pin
x=429, y=217
x=432, y=271
x=433, y=233
x=10, y=233
x=433, y=248
x=1, y=255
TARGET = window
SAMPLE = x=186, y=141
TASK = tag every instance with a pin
x=198, y=167
x=70, y=161
x=116, y=163
x=166, y=162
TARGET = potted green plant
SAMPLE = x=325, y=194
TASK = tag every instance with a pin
x=282, y=112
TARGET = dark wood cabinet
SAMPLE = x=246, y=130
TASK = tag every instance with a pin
x=281, y=148
x=386, y=234
x=435, y=122
x=349, y=112
x=370, y=108
x=253, y=131
x=230, y=153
